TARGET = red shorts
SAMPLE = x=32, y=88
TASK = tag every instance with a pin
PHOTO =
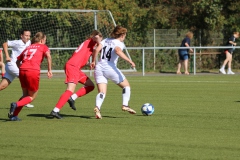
x=29, y=79
x=74, y=75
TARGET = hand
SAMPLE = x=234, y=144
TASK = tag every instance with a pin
x=49, y=73
x=8, y=59
x=92, y=65
x=132, y=64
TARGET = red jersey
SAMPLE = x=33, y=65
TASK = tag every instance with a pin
x=33, y=56
x=82, y=53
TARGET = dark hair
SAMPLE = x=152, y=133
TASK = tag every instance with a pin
x=24, y=30
x=38, y=37
x=118, y=31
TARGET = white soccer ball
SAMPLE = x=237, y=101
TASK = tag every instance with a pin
x=147, y=109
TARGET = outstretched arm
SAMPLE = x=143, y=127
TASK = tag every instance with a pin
x=120, y=53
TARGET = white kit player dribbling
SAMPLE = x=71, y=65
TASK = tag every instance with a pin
x=12, y=71
x=106, y=68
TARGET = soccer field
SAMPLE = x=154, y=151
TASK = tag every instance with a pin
x=196, y=117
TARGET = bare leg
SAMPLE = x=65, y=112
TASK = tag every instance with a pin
x=186, y=66
x=179, y=67
x=4, y=83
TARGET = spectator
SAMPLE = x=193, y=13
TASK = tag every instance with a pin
x=229, y=52
x=183, y=53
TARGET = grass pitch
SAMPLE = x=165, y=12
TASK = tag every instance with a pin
x=196, y=117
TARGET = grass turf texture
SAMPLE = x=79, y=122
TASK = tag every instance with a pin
x=196, y=117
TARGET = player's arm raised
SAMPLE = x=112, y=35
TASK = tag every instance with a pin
x=120, y=53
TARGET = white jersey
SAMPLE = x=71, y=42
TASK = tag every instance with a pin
x=106, y=68
x=17, y=47
x=108, y=54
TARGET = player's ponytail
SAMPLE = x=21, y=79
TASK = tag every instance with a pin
x=94, y=33
x=118, y=31
x=38, y=37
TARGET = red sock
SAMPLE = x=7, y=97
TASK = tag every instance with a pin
x=21, y=102
x=84, y=90
x=63, y=99
x=2, y=74
x=24, y=101
x=17, y=110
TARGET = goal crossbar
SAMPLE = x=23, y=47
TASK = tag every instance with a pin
x=58, y=37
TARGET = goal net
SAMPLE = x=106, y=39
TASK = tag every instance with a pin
x=65, y=30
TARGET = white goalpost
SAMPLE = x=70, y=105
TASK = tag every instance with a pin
x=65, y=30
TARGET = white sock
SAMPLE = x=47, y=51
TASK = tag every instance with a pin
x=126, y=95
x=74, y=96
x=223, y=67
x=56, y=109
x=99, y=100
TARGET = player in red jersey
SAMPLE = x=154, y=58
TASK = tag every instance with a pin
x=29, y=62
x=2, y=65
x=74, y=74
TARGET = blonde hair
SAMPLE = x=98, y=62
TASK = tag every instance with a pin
x=237, y=33
x=118, y=31
x=38, y=37
x=189, y=34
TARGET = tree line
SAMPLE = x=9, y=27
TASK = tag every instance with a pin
x=203, y=17
x=139, y=16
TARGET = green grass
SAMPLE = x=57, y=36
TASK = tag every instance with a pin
x=196, y=117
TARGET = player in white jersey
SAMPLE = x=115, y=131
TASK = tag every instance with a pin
x=106, y=68
x=12, y=71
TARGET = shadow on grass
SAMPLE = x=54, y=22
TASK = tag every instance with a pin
x=4, y=108
x=5, y=120
x=48, y=116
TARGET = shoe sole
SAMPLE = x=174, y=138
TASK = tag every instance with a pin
x=131, y=111
x=97, y=114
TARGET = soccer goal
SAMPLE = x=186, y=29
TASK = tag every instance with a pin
x=65, y=30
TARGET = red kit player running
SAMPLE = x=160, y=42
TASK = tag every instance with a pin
x=74, y=75
x=29, y=62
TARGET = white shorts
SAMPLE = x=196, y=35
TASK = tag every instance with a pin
x=102, y=75
x=12, y=71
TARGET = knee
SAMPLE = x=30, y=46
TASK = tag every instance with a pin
x=3, y=86
x=91, y=88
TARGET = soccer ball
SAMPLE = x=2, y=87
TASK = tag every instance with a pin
x=147, y=109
